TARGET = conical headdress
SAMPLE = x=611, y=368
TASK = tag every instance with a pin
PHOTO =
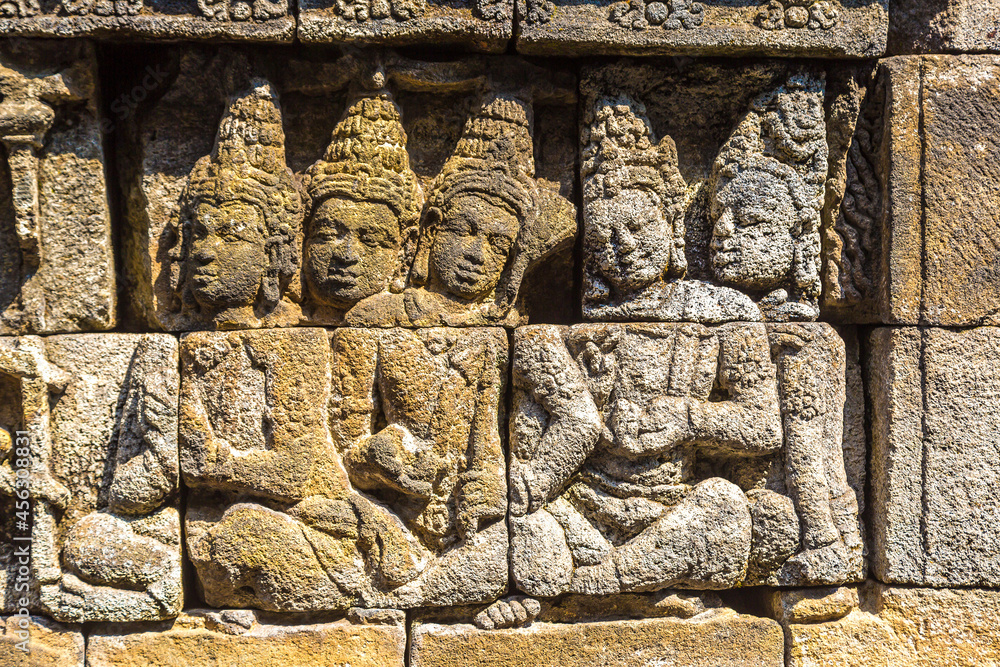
x=367, y=160
x=247, y=164
x=494, y=160
x=248, y=160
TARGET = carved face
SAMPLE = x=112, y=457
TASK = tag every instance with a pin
x=352, y=251
x=472, y=245
x=632, y=238
x=228, y=255
x=752, y=242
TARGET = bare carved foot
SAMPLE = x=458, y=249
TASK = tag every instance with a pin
x=512, y=612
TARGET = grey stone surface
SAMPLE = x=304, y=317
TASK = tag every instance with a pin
x=649, y=456
x=934, y=448
x=236, y=637
x=915, y=240
x=100, y=413
x=56, y=257
x=368, y=473
x=944, y=26
x=825, y=28
x=705, y=188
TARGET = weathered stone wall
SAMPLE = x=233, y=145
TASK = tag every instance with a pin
x=550, y=333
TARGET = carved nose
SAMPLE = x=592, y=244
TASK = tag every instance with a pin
x=626, y=240
x=725, y=226
x=346, y=251
x=474, y=251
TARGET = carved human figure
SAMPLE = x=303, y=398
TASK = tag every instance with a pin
x=365, y=205
x=437, y=463
x=106, y=538
x=402, y=516
x=239, y=219
x=647, y=457
x=488, y=222
x=126, y=555
x=634, y=206
x=767, y=194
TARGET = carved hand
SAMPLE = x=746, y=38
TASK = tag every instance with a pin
x=382, y=460
x=664, y=424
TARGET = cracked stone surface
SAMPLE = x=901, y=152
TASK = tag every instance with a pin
x=100, y=411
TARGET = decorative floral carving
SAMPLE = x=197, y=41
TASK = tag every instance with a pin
x=539, y=11
x=671, y=14
x=811, y=14
x=101, y=7
x=363, y=10
x=226, y=10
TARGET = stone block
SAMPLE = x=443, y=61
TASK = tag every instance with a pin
x=564, y=637
x=920, y=221
x=944, y=26
x=823, y=28
x=57, y=269
x=705, y=188
x=363, y=469
x=233, y=638
x=902, y=627
x=50, y=644
x=478, y=25
x=652, y=456
x=251, y=20
x=456, y=223
x=935, y=442
x=99, y=414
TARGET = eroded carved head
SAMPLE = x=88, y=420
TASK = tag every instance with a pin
x=489, y=220
x=766, y=197
x=240, y=216
x=633, y=194
x=761, y=216
x=365, y=206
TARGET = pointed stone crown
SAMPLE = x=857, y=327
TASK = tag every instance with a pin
x=367, y=160
x=248, y=160
x=620, y=152
x=494, y=159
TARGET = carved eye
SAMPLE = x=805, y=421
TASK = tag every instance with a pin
x=500, y=243
x=199, y=229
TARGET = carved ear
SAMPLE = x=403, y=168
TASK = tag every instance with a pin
x=407, y=252
x=428, y=231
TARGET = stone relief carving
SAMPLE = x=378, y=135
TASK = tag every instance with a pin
x=20, y=8
x=488, y=221
x=258, y=10
x=238, y=225
x=365, y=208
x=855, y=247
x=102, y=7
x=392, y=497
x=801, y=28
x=670, y=15
x=106, y=530
x=40, y=85
x=765, y=195
x=648, y=456
x=382, y=206
x=793, y=14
